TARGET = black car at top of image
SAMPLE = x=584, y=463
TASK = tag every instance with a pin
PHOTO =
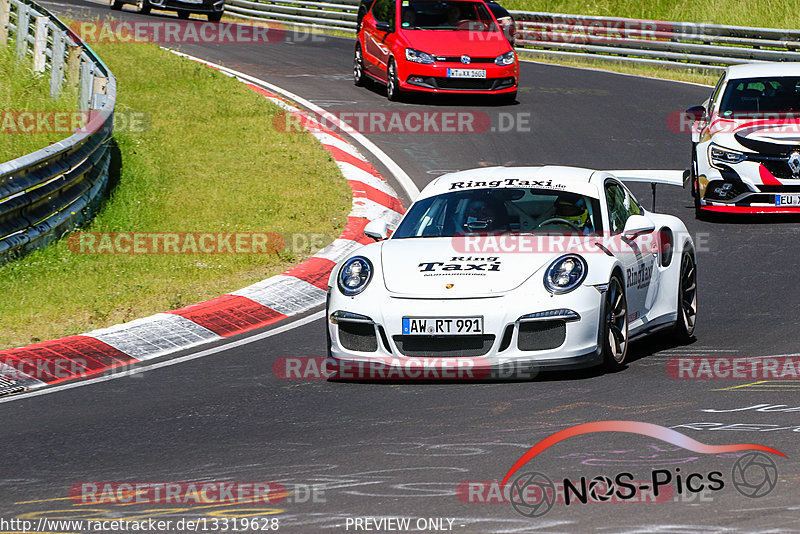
x=211, y=8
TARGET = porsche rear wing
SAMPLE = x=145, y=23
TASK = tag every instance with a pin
x=654, y=178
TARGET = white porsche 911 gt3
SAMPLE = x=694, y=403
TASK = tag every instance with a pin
x=533, y=267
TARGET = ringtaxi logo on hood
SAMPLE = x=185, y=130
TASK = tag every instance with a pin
x=459, y=264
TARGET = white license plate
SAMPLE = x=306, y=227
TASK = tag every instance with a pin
x=466, y=73
x=192, y=1
x=442, y=326
x=787, y=200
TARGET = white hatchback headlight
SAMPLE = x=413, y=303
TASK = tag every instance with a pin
x=718, y=154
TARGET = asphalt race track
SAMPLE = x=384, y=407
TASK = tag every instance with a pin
x=393, y=450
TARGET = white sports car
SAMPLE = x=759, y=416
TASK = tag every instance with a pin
x=746, y=141
x=521, y=269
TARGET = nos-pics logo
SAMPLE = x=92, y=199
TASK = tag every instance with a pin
x=533, y=494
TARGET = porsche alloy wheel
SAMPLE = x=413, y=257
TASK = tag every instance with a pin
x=615, y=326
x=687, y=299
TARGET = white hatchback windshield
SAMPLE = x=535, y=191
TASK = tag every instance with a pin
x=778, y=94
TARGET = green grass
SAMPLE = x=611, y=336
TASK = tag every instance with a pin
x=22, y=90
x=209, y=161
x=770, y=14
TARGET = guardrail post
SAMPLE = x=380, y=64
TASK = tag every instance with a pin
x=40, y=44
x=73, y=66
x=57, y=62
x=22, y=30
x=87, y=80
x=99, y=92
x=5, y=16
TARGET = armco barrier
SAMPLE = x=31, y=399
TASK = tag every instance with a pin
x=46, y=193
x=333, y=14
x=547, y=35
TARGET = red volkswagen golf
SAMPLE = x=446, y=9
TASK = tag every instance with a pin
x=434, y=46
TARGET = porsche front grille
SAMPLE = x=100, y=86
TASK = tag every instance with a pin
x=444, y=346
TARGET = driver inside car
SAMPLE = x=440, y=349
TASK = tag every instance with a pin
x=573, y=209
x=485, y=216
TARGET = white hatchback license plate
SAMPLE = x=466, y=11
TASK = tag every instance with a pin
x=466, y=73
x=787, y=200
x=442, y=326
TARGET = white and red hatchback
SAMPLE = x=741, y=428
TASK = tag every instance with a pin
x=746, y=141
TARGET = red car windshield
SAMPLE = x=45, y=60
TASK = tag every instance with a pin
x=451, y=16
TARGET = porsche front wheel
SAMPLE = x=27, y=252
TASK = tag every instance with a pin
x=615, y=326
x=687, y=299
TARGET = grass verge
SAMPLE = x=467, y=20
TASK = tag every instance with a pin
x=209, y=160
x=783, y=14
x=23, y=91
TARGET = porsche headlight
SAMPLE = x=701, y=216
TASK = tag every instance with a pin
x=565, y=274
x=505, y=59
x=354, y=275
x=419, y=57
x=725, y=155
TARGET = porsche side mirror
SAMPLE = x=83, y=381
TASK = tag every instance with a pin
x=636, y=226
x=377, y=229
x=384, y=27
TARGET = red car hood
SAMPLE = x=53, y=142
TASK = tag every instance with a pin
x=457, y=43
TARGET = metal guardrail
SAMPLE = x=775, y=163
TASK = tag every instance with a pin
x=46, y=193
x=330, y=15
x=683, y=45
x=671, y=44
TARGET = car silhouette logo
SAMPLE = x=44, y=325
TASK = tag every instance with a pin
x=466, y=60
x=794, y=163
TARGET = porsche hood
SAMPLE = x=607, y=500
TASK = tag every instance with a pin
x=435, y=268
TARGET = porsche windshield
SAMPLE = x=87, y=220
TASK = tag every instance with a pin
x=516, y=210
x=778, y=94
x=453, y=16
